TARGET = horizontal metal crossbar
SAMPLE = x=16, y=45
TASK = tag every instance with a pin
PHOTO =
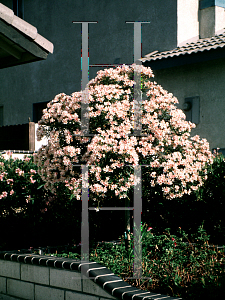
x=139, y=134
x=95, y=165
x=111, y=208
x=106, y=65
x=137, y=22
x=84, y=22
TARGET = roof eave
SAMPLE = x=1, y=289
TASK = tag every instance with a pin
x=25, y=49
x=20, y=42
x=185, y=59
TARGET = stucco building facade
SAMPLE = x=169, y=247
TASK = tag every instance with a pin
x=25, y=89
x=195, y=73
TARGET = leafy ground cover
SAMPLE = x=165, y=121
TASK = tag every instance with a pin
x=176, y=265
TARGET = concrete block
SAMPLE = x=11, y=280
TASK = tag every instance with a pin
x=48, y=293
x=2, y=285
x=9, y=269
x=65, y=279
x=78, y=296
x=92, y=288
x=35, y=274
x=21, y=289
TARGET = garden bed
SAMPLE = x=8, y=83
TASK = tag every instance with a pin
x=191, y=269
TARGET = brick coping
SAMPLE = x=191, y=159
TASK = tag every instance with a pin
x=94, y=271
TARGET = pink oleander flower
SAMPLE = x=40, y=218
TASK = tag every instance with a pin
x=175, y=244
x=27, y=158
x=3, y=195
x=176, y=160
x=9, y=181
x=32, y=180
x=28, y=198
x=19, y=172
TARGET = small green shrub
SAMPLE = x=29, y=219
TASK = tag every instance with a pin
x=212, y=194
x=28, y=212
x=22, y=202
x=205, y=205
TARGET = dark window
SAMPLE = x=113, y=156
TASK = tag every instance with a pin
x=18, y=8
x=37, y=110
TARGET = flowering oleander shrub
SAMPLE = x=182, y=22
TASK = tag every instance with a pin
x=175, y=159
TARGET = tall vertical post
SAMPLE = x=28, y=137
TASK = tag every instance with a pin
x=137, y=209
x=85, y=221
x=84, y=56
x=85, y=77
x=137, y=100
x=84, y=132
x=84, y=216
x=137, y=41
x=137, y=267
x=137, y=76
x=127, y=221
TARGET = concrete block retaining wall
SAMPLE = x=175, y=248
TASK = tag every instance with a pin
x=36, y=277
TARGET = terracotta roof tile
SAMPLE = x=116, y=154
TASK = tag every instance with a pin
x=201, y=45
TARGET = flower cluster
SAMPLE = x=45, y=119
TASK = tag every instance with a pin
x=19, y=185
x=175, y=161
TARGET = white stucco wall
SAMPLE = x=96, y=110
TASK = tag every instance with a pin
x=187, y=21
x=220, y=19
